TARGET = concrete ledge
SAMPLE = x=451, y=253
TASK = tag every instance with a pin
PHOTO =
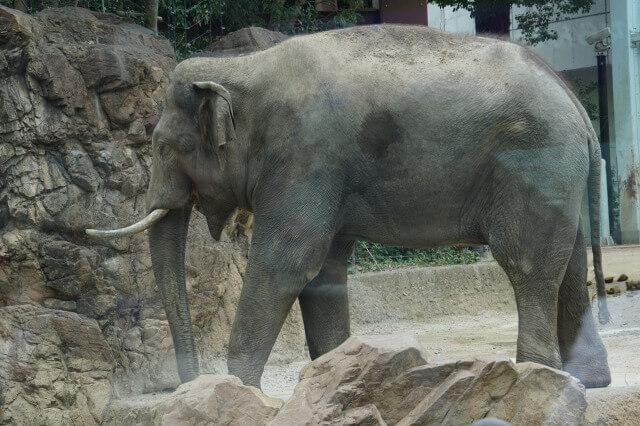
x=418, y=294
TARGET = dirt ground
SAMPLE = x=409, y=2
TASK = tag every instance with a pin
x=495, y=332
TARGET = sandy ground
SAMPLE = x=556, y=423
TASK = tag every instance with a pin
x=617, y=260
x=496, y=332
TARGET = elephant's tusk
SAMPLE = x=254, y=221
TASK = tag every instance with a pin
x=140, y=226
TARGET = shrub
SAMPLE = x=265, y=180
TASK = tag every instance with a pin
x=378, y=257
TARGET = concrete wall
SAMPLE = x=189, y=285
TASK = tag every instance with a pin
x=418, y=294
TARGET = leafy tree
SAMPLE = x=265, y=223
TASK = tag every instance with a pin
x=493, y=15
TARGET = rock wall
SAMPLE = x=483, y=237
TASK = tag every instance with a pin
x=81, y=321
x=243, y=41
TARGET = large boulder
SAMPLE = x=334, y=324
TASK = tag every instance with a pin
x=80, y=94
x=245, y=40
x=387, y=380
x=208, y=400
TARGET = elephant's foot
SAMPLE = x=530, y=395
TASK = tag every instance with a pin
x=592, y=374
x=246, y=369
x=586, y=359
x=551, y=359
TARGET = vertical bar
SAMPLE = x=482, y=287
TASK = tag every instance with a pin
x=605, y=233
x=603, y=108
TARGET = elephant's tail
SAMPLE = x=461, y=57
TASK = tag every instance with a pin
x=593, y=191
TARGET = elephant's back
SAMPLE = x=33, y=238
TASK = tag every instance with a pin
x=399, y=61
x=390, y=48
x=382, y=43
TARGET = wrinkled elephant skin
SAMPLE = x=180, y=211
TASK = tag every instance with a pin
x=395, y=134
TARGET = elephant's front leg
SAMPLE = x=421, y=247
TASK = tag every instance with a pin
x=324, y=302
x=282, y=261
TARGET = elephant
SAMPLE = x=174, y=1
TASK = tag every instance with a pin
x=402, y=135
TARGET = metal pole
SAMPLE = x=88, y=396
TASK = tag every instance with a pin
x=603, y=107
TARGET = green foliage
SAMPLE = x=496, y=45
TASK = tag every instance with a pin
x=185, y=49
x=535, y=21
x=584, y=92
x=377, y=257
x=287, y=16
x=303, y=18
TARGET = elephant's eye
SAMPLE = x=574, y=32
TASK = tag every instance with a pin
x=163, y=148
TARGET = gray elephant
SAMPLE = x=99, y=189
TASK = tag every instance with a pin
x=396, y=134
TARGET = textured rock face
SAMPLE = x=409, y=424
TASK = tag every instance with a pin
x=381, y=380
x=208, y=400
x=57, y=368
x=80, y=93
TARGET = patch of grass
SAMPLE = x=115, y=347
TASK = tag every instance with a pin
x=372, y=257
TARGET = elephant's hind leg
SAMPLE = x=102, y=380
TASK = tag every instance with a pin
x=324, y=302
x=583, y=354
x=534, y=253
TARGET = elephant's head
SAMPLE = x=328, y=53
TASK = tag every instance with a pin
x=189, y=166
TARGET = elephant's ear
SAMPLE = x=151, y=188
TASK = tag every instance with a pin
x=217, y=125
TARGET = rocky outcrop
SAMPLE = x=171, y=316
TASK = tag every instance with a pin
x=387, y=380
x=376, y=381
x=208, y=400
x=245, y=40
x=80, y=93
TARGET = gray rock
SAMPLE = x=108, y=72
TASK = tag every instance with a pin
x=56, y=367
x=63, y=305
x=207, y=400
x=81, y=170
x=245, y=40
x=386, y=379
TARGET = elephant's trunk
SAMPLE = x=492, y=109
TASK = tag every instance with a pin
x=167, y=243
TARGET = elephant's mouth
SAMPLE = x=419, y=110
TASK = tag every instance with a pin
x=137, y=227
